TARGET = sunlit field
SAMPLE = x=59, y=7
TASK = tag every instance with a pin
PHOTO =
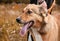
x=9, y=28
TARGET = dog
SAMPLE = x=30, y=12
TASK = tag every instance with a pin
x=37, y=20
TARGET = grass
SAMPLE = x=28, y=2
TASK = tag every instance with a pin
x=9, y=28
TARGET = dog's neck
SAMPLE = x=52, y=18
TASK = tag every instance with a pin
x=46, y=29
x=35, y=34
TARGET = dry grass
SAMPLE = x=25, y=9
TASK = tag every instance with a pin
x=9, y=28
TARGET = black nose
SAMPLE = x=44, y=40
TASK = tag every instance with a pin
x=18, y=20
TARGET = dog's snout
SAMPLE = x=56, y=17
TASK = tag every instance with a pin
x=18, y=20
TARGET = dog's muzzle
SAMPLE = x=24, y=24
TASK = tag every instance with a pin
x=25, y=27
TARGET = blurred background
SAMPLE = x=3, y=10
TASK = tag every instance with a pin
x=21, y=1
x=9, y=11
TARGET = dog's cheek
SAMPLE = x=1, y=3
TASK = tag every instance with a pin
x=37, y=24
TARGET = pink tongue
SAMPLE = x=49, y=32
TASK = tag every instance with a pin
x=24, y=29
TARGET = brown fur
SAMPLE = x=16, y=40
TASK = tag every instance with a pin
x=58, y=22
x=50, y=9
x=46, y=23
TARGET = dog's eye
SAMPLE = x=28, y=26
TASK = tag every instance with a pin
x=40, y=14
x=29, y=12
x=23, y=11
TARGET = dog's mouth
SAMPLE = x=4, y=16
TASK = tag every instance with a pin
x=25, y=27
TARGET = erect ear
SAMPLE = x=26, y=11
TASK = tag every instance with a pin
x=43, y=10
x=52, y=6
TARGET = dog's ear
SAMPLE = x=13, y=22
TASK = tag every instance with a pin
x=43, y=10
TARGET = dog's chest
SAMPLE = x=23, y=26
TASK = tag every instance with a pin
x=36, y=36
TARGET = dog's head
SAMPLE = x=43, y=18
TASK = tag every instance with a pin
x=32, y=15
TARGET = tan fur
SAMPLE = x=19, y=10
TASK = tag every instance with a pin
x=50, y=9
x=58, y=22
x=49, y=30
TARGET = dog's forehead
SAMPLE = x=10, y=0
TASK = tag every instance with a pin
x=35, y=8
x=31, y=6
